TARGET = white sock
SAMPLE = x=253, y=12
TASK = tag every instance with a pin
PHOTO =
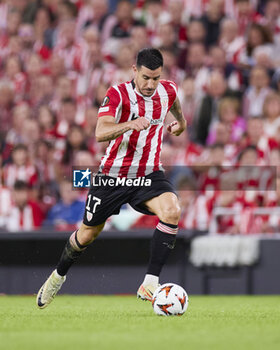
x=57, y=275
x=151, y=280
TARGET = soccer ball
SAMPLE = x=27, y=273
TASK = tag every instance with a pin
x=170, y=300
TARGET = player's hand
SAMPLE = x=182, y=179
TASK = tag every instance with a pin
x=175, y=128
x=139, y=124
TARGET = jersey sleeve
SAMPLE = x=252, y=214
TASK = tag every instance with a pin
x=111, y=103
x=172, y=91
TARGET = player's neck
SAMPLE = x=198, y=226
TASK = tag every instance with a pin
x=137, y=90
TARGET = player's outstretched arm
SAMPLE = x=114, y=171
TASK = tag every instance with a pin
x=107, y=129
x=178, y=126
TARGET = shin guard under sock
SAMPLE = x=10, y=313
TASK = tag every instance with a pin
x=72, y=251
x=162, y=243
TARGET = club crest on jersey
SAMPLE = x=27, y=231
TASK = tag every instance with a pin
x=164, y=103
x=105, y=101
x=81, y=178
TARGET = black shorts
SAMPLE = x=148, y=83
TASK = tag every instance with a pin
x=104, y=200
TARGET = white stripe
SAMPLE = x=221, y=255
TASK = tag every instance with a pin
x=165, y=226
x=141, y=142
x=117, y=116
x=164, y=229
x=154, y=144
x=167, y=229
x=119, y=108
x=28, y=223
x=106, y=156
x=118, y=162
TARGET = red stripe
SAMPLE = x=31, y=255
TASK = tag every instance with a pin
x=156, y=106
x=146, y=151
x=125, y=104
x=151, y=134
x=133, y=139
x=21, y=218
x=170, y=92
x=112, y=156
x=124, y=117
x=156, y=162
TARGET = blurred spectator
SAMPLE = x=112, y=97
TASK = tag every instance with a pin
x=66, y=47
x=196, y=208
x=75, y=141
x=56, y=67
x=5, y=205
x=47, y=121
x=170, y=70
x=68, y=212
x=65, y=118
x=21, y=168
x=258, y=35
x=208, y=111
x=6, y=104
x=139, y=38
x=96, y=14
x=271, y=17
x=230, y=40
x=211, y=21
x=189, y=102
x=217, y=61
x=196, y=32
x=271, y=112
x=166, y=37
x=152, y=16
x=244, y=13
x=63, y=90
x=13, y=73
x=175, y=11
x=24, y=215
x=195, y=66
x=125, y=20
x=256, y=92
x=124, y=61
x=255, y=137
x=21, y=114
x=228, y=115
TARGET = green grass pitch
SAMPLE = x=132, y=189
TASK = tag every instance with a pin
x=123, y=322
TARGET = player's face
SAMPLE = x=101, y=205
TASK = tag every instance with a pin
x=146, y=80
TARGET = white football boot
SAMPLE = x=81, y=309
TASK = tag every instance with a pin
x=49, y=289
x=146, y=292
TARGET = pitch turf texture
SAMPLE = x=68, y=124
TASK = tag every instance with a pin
x=123, y=322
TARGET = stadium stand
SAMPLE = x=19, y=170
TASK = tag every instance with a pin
x=57, y=59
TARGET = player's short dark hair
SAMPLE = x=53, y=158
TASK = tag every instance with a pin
x=149, y=58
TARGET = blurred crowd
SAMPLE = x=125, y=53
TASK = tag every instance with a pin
x=58, y=58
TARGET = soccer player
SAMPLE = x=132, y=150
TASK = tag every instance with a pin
x=132, y=118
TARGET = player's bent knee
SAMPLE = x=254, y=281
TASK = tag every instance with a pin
x=171, y=215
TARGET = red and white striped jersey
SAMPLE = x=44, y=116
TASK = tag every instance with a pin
x=135, y=154
x=29, y=218
x=5, y=204
x=27, y=173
